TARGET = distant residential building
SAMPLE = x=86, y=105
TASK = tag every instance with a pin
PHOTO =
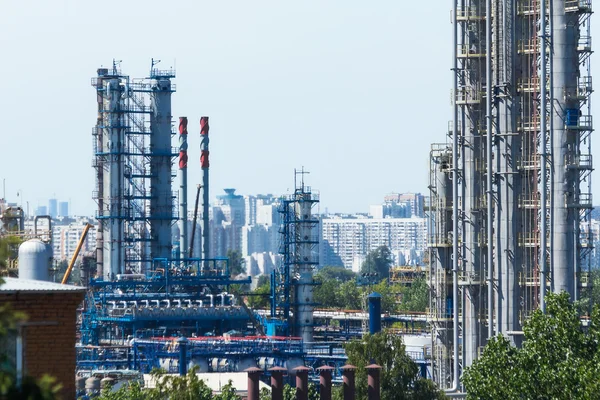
x=399, y=205
x=66, y=237
x=63, y=209
x=53, y=208
x=345, y=240
x=41, y=210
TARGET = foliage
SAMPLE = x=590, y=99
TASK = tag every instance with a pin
x=9, y=246
x=169, y=387
x=399, y=375
x=558, y=359
x=378, y=262
x=237, y=264
x=416, y=296
x=339, y=274
x=260, y=297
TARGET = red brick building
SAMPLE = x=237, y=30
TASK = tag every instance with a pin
x=47, y=337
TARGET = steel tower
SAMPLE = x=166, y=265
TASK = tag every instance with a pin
x=510, y=192
x=133, y=158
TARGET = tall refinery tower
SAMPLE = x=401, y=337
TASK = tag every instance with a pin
x=133, y=159
x=511, y=190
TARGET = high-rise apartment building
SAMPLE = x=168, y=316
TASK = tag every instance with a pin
x=346, y=238
x=53, y=208
x=63, y=209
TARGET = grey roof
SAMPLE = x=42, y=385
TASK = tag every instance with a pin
x=12, y=285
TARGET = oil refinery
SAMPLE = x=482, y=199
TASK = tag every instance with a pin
x=508, y=219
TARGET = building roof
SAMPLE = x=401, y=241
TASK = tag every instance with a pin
x=12, y=285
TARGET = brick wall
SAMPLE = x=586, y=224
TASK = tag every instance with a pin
x=49, y=334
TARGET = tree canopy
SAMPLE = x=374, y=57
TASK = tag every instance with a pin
x=237, y=264
x=559, y=359
x=378, y=262
x=400, y=378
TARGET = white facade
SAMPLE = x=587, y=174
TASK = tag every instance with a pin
x=345, y=239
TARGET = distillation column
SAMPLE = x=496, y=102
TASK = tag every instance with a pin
x=472, y=75
x=161, y=201
x=565, y=145
x=440, y=274
x=304, y=264
x=508, y=164
x=99, y=166
x=113, y=140
x=183, y=158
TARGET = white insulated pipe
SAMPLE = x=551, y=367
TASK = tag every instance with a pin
x=489, y=168
x=544, y=156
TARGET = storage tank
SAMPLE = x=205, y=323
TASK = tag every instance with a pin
x=34, y=260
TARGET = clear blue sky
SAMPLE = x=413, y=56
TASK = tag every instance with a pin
x=354, y=91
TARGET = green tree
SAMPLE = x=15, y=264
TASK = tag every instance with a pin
x=378, y=261
x=559, y=359
x=400, y=378
x=9, y=247
x=416, y=296
x=261, y=296
x=389, y=294
x=348, y=295
x=339, y=274
x=237, y=264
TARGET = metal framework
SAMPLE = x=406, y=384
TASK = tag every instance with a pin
x=511, y=194
x=133, y=158
x=292, y=282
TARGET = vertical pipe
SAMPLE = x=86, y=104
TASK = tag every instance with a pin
x=301, y=383
x=253, y=386
x=277, y=383
x=161, y=197
x=349, y=387
x=183, y=159
x=182, y=342
x=205, y=189
x=489, y=167
x=543, y=138
x=374, y=392
x=325, y=382
x=566, y=185
x=455, y=178
x=374, y=313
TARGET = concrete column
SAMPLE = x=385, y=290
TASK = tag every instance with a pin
x=277, y=382
x=253, y=386
x=301, y=382
x=374, y=392
x=348, y=376
x=325, y=382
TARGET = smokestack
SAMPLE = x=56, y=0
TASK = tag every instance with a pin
x=253, y=385
x=204, y=163
x=277, y=382
x=325, y=382
x=183, y=159
x=348, y=376
x=374, y=392
x=301, y=382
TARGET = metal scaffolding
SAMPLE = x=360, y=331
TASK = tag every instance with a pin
x=133, y=158
x=511, y=195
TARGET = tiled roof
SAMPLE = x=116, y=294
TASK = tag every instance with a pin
x=12, y=285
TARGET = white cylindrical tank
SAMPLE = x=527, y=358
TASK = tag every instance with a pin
x=201, y=363
x=34, y=260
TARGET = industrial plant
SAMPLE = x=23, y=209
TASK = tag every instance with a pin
x=510, y=188
x=507, y=221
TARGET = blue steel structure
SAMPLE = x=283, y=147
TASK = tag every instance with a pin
x=291, y=283
x=174, y=297
x=147, y=306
